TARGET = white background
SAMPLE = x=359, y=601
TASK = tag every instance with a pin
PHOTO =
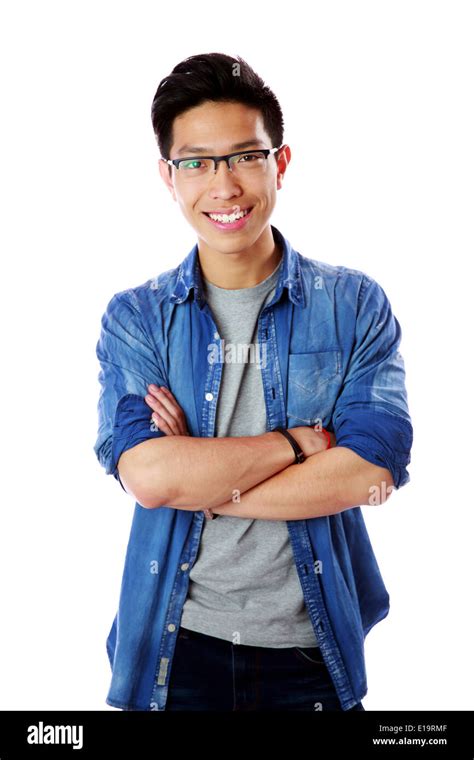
x=377, y=98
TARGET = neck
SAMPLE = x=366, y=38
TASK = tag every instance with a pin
x=241, y=269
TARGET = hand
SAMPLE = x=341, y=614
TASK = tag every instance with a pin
x=167, y=413
x=169, y=418
x=311, y=441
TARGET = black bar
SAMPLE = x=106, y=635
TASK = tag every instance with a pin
x=119, y=733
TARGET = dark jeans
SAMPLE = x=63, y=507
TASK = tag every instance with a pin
x=208, y=673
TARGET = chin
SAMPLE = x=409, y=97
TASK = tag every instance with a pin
x=230, y=243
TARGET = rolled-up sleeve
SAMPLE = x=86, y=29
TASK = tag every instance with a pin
x=128, y=364
x=371, y=414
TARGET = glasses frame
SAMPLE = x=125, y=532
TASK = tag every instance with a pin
x=176, y=161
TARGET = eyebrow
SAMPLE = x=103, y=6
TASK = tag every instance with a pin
x=204, y=150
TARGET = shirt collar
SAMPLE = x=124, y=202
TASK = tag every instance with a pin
x=188, y=276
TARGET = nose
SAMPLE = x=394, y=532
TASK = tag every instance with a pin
x=223, y=183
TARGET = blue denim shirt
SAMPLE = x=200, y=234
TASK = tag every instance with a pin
x=332, y=355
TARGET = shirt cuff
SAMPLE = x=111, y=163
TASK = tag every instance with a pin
x=133, y=425
x=381, y=438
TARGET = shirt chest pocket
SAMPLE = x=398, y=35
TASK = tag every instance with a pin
x=314, y=380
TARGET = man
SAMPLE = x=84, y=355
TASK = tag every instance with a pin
x=204, y=369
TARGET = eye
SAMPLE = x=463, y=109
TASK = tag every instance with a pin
x=248, y=158
x=192, y=164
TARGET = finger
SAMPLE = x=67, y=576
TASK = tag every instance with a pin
x=172, y=427
x=173, y=408
x=168, y=393
x=159, y=408
x=167, y=417
x=181, y=416
x=169, y=403
x=155, y=404
x=161, y=424
x=151, y=401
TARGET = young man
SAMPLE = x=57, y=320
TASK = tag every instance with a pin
x=204, y=369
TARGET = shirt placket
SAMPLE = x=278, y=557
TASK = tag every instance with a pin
x=191, y=547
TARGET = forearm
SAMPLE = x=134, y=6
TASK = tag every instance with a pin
x=326, y=483
x=187, y=472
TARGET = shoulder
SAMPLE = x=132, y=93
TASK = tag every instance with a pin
x=349, y=290
x=148, y=294
x=336, y=277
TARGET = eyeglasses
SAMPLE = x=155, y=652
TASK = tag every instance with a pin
x=242, y=164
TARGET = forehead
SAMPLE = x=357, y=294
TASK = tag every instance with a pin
x=218, y=128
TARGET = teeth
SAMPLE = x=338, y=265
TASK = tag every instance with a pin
x=229, y=218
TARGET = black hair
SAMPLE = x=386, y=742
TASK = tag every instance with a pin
x=212, y=77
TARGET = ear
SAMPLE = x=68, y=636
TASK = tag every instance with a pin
x=284, y=158
x=165, y=172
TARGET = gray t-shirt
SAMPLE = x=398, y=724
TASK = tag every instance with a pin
x=244, y=585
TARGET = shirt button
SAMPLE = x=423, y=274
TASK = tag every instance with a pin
x=209, y=396
x=185, y=566
x=171, y=627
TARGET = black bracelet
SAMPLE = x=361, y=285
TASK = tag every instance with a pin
x=299, y=455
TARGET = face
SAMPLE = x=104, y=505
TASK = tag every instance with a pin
x=221, y=128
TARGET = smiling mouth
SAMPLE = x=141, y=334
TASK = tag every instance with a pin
x=231, y=218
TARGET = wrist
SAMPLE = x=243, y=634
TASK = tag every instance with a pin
x=283, y=451
x=312, y=440
x=299, y=454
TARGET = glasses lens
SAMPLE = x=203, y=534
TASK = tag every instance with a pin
x=248, y=162
x=195, y=167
